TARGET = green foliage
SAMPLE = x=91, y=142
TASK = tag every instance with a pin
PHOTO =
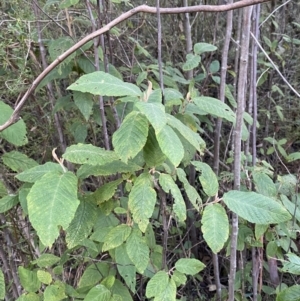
x=155, y=113
x=17, y=161
x=213, y=106
x=207, y=178
x=130, y=138
x=255, y=207
x=98, y=228
x=116, y=237
x=189, y=266
x=137, y=250
x=170, y=145
x=215, y=226
x=161, y=287
x=168, y=185
x=101, y=83
x=291, y=293
x=89, y=154
x=16, y=134
x=125, y=267
x=29, y=280
x=48, y=210
x=142, y=199
x=82, y=223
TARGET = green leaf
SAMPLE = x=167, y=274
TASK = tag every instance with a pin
x=108, y=281
x=169, y=294
x=93, y=274
x=290, y=207
x=142, y=199
x=200, y=48
x=208, y=178
x=255, y=207
x=150, y=237
x=155, y=113
x=125, y=267
x=8, y=202
x=260, y=230
x=82, y=224
x=248, y=118
x=189, y=120
x=46, y=260
x=116, y=237
x=155, y=97
x=215, y=226
x=106, y=191
x=90, y=246
x=190, y=190
x=52, y=202
x=192, y=61
x=120, y=289
x=264, y=184
x=192, y=137
x=16, y=133
x=289, y=294
x=55, y=292
x=214, y=67
x=107, y=169
x=101, y=83
x=141, y=77
x=172, y=97
x=168, y=184
x=35, y=173
x=230, y=97
x=137, y=250
x=179, y=278
x=170, y=145
x=293, y=265
x=215, y=107
x=100, y=234
x=189, y=266
x=89, y=154
x=84, y=102
x=79, y=130
x=293, y=156
x=2, y=285
x=152, y=153
x=130, y=138
x=29, y=279
x=17, y=161
x=44, y=277
x=157, y=284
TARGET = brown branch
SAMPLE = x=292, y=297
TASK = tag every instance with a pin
x=106, y=28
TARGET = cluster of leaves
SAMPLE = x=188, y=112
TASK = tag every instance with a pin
x=112, y=229
x=155, y=144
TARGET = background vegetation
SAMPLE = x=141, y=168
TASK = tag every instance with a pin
x=160, y=160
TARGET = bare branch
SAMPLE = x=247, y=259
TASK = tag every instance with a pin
x=106, y=28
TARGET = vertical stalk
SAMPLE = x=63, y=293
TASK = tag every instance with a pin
x=192, y=172
x=255, y=28
x=159, y=58
x=188, y=36
x=218, y=129
x=242, y=85
x=97, y=67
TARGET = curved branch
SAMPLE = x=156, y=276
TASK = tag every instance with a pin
x=121, y=18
